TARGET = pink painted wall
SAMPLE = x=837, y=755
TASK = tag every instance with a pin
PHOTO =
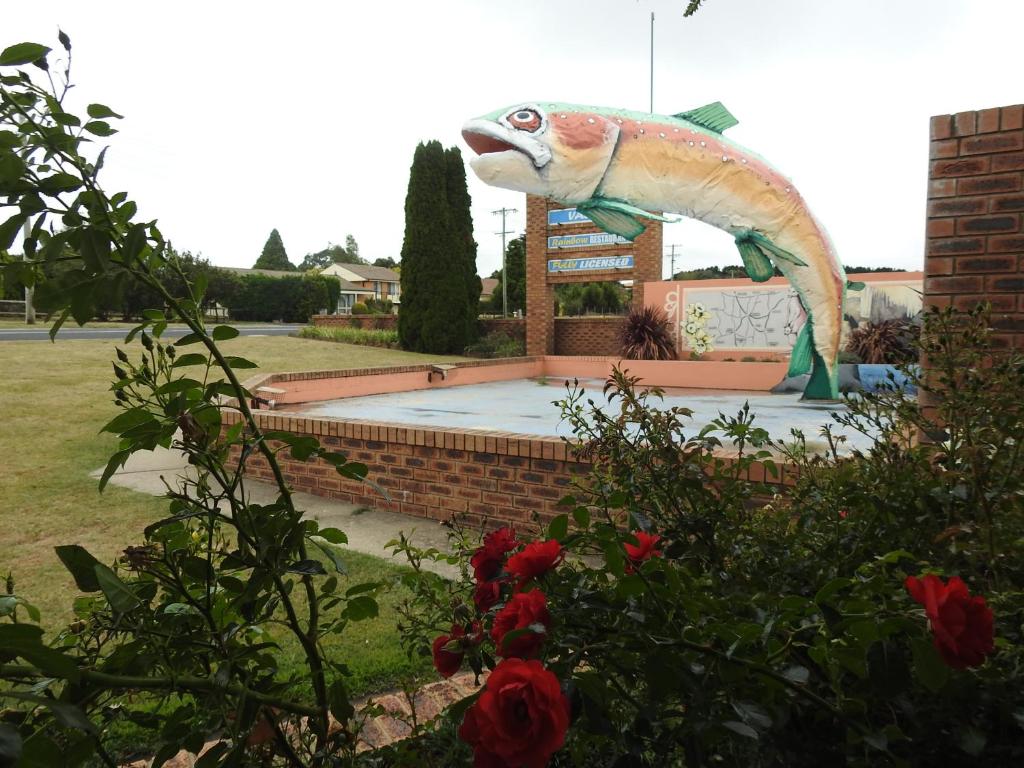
x=671, y=296
x=683, y=374
x=333, y=387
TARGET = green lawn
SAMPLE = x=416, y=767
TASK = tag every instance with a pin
x=54, y=399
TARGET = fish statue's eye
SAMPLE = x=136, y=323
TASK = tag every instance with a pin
x=525, y=120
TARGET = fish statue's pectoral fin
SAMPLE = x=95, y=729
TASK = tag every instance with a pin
x=802, y=356
x=766, y=248
x=617, y=217
x=758, y=267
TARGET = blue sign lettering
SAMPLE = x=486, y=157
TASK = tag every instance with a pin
x=593, y=264
x=566, y=216
x=592, y=240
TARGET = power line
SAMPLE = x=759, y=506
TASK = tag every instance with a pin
x=504, y=271
x=672, y=256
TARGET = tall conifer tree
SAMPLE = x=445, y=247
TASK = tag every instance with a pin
x=274, y=255
x=463, y=243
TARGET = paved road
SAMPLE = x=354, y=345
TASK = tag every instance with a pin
x=70, y=331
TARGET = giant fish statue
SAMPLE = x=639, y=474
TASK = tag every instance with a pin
x=620, y=168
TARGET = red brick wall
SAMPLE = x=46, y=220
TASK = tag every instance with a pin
x=430, y=473
x=386, y=322
x=540, y=320
x=588, y=335
x=975, y=243
x=490, y=478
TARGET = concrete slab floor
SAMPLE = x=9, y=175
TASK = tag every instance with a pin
x=527, y=406
x=368, y=530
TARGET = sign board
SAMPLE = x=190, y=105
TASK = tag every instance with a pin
x=566, y=216
x=593, y=264
x=592, y=240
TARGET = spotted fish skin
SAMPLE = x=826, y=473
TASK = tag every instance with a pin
x=618, y=166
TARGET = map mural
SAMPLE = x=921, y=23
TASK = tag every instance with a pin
x=757, y=318
x=770, y=316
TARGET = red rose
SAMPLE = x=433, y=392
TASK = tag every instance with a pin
x=488, y=559
x=536, y=559
x=520, y=719
x=447, y=663
x=523, y=610
x=643, y=550
x=486, y=595
x=961, y=624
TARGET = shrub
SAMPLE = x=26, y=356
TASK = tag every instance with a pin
x=379, y=306
x=496, y=344
x=686, y=625
x=288, y=299
x=646, y=335
x=889, y=341
x=371, y=337
x=360, y=308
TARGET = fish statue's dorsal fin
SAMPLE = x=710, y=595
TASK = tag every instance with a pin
x=715, y=117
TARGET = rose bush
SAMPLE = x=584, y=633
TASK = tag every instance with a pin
x=692, y=621
x=520, y=719
x=961, y=624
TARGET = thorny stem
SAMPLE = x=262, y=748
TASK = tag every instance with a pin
x=180, y=683
x=307, y=638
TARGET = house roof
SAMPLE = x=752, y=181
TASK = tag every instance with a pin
x=487, y=286
x=370, y=272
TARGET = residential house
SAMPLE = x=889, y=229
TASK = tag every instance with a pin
x=360, y=282
x=487, y=287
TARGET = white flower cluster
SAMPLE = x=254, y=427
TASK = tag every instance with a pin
x=698, y=339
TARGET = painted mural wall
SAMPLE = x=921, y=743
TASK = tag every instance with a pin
x=722, y=316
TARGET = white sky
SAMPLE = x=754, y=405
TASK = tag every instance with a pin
x=241, y=117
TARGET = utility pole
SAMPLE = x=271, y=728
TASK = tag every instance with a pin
x=652, y=62
x=504, y=272
x=30, y=310
x=672, y=256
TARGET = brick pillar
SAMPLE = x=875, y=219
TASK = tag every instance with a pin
x=647, y=259
x=540, y=296
x=974, y=240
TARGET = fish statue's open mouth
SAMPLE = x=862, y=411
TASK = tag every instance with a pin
x=487, y=139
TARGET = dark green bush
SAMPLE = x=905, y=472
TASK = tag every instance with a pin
x=288, y=299
x=496, y=344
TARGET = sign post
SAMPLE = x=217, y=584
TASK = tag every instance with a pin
x=565, y=246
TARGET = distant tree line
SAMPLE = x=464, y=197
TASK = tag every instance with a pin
x=246, y=297
x=275, y=257
x=606, y=298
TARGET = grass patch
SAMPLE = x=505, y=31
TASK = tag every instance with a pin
x=55, y=398
x=371, y=337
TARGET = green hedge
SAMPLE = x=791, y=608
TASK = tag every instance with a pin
x=289, y=299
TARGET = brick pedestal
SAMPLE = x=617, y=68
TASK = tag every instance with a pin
x=975, y=243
